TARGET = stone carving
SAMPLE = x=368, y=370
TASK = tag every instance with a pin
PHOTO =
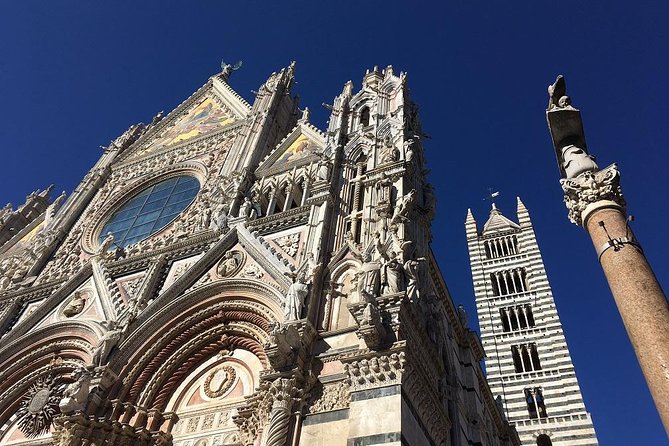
x=283, y=346
x=408, y=150
x=576, y=161
x=462, y=315
x=369, y=276
x=227, y=69
x=393, y=274
x=181, y=269
x=326, y=398
x=376, y=371
x=389, y=153
x=297, y=292
x=75, y=395
x=107, y=342
x=76, y=304
x=289, y=243
x=253, y=271
x=248, y=209
x=105, y=245
x=403, y=207
x=38, y=407
x=283, y=393
x=591, y=187
x=324, y=167
x=230, y=264
x=224, y=384
x=557, y=95
x=412, y=275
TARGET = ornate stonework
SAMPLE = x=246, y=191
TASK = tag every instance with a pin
x=590, y=188
x=293, y=298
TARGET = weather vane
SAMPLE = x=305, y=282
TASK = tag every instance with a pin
x=491, y=195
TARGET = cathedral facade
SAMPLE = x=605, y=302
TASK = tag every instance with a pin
x=229, y=274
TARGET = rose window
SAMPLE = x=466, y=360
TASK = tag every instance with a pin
x=150, y=210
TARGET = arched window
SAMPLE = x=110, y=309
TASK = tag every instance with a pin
x=544, y=440
x=364, y=117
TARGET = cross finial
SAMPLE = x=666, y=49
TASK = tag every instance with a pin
x=491, y=196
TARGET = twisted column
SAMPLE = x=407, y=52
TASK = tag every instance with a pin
x=283, y=393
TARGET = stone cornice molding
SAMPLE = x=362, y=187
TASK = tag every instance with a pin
x=590, y=191
x=284, y=220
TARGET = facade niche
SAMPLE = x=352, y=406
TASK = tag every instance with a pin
x=364, y=117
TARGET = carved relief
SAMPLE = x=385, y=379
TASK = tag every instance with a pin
x=219, y=381
x=76, y=304
x=39, y=406
x=591, y=187
x=288, y=243
x=329, y=397
x=253, y=271
x=230, y=264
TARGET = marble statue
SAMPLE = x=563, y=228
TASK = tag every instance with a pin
x=576, y=161
x=76, y=304
x=297, y=292
x=75, y=394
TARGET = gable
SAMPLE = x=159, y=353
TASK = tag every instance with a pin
x=302, y=146
x=213, y=107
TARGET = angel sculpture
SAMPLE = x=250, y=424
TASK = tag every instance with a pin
x=227, y=69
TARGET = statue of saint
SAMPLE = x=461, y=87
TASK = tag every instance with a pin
x=393, y=272
x=297, y=292
x=229, y=265
x=369, y=278
x=76, y=304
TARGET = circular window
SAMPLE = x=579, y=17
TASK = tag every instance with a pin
x=151, y=210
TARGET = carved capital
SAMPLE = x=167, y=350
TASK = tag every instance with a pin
x=592, y=190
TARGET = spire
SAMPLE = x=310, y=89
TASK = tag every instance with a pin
x=498, y=222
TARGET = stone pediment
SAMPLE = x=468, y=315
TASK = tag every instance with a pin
x=215, y=106
x=302, y=146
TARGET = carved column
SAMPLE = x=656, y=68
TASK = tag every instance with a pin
x=282, y=392
x=594, y=199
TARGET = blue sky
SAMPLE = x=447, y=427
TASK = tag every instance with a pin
x=74, y=75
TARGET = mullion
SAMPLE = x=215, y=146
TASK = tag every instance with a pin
x=153, y=227
x=137, y=214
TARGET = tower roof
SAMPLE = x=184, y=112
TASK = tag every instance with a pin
x=497, y=222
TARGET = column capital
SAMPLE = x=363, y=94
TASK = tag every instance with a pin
x=592, y=190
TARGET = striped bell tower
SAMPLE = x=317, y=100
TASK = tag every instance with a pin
x=527, y=360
